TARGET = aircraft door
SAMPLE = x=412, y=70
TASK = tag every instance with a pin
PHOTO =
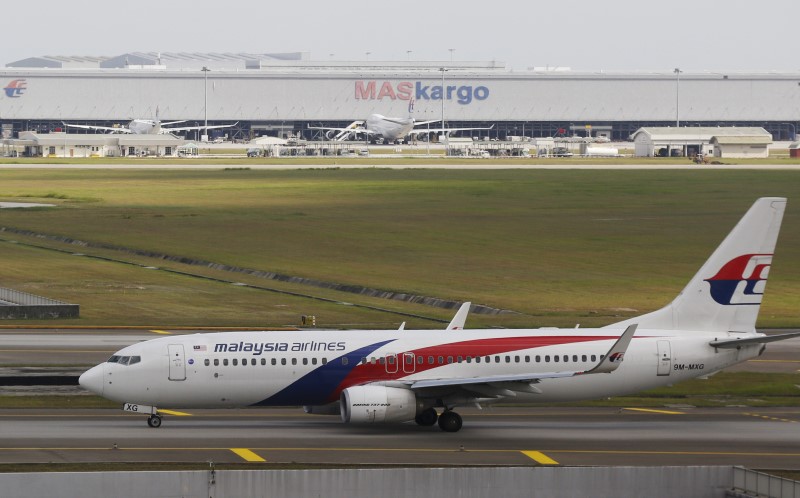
x=409, y=363
x=177, y=362
x=664, y=358
x=391, y=363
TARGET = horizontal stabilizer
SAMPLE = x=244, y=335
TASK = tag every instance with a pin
x=763, y=339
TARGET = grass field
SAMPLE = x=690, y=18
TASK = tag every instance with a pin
x=559, y=247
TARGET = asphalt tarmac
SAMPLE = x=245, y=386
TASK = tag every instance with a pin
x=756, y=438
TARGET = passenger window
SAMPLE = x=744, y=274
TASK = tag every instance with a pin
x=508, y=359
x=538, y=359
x=216, y=362
x=459, y=359
x=235, y=362
x=409, y=359
x=469, y=359
x=420, y=360
x=294, y=361
x=547, y=358
x=314, y=360
x=363, y=361
x=225, y=362
x=583, y=358
x=305, y=361
x=391, y=360
x=263, y=361
x=441, y=360
x=516, y=359
x=207, y=362
x=430, y=360
x=594, y=358
x=566, y=358
x=497, y=359
x=345, y=361
x=575, y=358
x=244, y=362
x=477, y=359
x=283, y=361
x=527, y=359
x=274, y=361
x=602, y=356
x=449, y=360
x=324, y=361
x=488, y=359
x=555, y=358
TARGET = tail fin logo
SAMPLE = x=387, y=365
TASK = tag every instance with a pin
x=741, y=281
x=616, y=357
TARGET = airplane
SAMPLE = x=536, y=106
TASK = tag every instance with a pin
x=148, y=127
x=397, y=376
x=391, y=129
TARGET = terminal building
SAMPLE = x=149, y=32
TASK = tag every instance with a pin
x=283, y=94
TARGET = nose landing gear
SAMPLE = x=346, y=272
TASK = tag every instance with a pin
x=154, y=421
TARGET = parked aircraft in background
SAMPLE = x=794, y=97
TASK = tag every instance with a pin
x=423, y=375
x=148, y=127
x=390, y=129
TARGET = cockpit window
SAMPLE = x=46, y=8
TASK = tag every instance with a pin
x=125, y=360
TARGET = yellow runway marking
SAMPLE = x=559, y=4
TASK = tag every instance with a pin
x=539, y=457
x=247, y=455
x=177, y=414
x=650, y=410
x=162, y=332
x=775, y=419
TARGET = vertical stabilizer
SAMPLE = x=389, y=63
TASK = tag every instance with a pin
x=725, y=295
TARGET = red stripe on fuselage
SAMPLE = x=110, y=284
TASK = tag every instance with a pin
x=369, y=372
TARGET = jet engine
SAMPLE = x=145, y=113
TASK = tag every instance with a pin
x=377, y=404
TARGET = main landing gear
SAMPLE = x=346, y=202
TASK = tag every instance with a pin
x=449, y=421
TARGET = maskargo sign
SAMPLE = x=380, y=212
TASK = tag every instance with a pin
x=408, y=90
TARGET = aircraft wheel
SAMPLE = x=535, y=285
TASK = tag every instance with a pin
x=450, y=421
x=154, y=421
x=427, y=418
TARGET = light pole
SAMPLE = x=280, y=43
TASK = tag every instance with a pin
x=408, y=54
x=205, y=100
x=446, y=137
x=451, y=53
x=677, y=72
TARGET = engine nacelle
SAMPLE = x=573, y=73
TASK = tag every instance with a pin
x=377, y=404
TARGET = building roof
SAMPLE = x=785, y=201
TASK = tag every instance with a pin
x=701, y=133
x=742, y=140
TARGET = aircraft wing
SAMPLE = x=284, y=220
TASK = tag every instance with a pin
x=112, y=129
x=345, y=130
x=460, y=318
x=188, y=128
x=443, y=130
x=507, y=385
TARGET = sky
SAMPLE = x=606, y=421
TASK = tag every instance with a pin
x=615, y=35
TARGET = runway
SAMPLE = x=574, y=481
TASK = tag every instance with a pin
x=755, y=438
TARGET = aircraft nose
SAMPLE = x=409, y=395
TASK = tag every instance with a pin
x=92, y=380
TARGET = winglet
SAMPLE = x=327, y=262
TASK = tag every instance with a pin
x=613, y=358
x=460, y=318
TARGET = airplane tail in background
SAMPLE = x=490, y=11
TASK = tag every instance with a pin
x=411, y=108
x=725, y=295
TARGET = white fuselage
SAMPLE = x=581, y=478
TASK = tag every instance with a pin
x=233, y=369
x=390, y=128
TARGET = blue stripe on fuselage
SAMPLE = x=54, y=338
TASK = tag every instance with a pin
x=317, y=386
